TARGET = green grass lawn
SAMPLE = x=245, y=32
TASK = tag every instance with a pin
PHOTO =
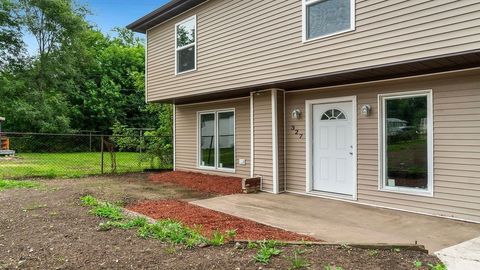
x=12, y=184
x=64, y=165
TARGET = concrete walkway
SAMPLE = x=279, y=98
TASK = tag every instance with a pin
x=343, y=222
x=464, y=256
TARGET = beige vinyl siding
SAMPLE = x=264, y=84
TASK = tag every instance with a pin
x=456, y=105
x=186, y=130
x=262, y=138
x=248, y=42
x=281, y=139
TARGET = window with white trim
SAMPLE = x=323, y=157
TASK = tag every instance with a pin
x=217, y=140
x=406, y=142
x=323, y=18
x=186, y=45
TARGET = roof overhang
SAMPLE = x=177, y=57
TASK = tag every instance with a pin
x=162, y=14
x=424, y=66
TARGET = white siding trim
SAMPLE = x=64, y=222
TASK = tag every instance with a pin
x=381, y=143
x=309, y=140
x=146, y=68
x=252, y=137
x=174, y=133
x=284, y=143
x=274, y=142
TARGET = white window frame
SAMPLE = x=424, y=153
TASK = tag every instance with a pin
x=199, y=145
x=382, y=166
x=194, y=17
x=306, y=3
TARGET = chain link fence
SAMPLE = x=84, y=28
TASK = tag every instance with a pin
x=26, y=155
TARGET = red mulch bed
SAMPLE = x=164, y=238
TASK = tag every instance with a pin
x=201, y=182
x=210, y=220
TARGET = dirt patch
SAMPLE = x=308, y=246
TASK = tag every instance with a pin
x=48, y=229
x=209, y=220
x=201, y=182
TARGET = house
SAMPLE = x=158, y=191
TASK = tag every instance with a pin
x=371, y=102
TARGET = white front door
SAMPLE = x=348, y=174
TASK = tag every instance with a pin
x=333, y=148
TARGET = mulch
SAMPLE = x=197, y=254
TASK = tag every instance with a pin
x=210, y=220
x=200, y=182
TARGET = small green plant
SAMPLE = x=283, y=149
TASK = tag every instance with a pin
x=89, y=200
x=437, y=266
x=267, y=250
x=231, y=234
x=14, y=184
x=217, y=239
x=133, y=223
x=107, y=210
x=332, y=267
x=173, y=232
x=397, y=249
x=345, y=246
x=417, y=264
x=373, y=252
x=251, y=245
x=297, y=261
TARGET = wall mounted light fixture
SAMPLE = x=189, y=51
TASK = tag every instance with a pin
x=296, y=114
x=366, y=110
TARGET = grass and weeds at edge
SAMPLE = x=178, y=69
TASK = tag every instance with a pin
x=165, y=230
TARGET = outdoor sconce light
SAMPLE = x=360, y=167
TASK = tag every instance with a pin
x=366, y=109
x=296, y=114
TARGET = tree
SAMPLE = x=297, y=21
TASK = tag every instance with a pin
x=11, y=44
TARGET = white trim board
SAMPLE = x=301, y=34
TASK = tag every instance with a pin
x=174, y=116
x=309, y=139
x=145, y=82
x=252, y=137
x=274, y=142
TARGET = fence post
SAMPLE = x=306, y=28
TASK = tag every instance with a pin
x=101, y=149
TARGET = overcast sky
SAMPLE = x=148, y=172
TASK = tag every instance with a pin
x=108, y=14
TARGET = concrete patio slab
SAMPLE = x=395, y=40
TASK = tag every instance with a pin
x=464, y=256
x=343, y=222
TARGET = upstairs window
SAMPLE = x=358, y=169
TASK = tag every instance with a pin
x=186, y=45
x=327, y=17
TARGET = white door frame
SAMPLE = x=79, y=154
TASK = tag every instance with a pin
x=308, y=146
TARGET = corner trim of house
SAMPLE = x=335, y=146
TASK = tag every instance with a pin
x=252, y=138
x=146, y=68
x=274, y=142
x=174, y=134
